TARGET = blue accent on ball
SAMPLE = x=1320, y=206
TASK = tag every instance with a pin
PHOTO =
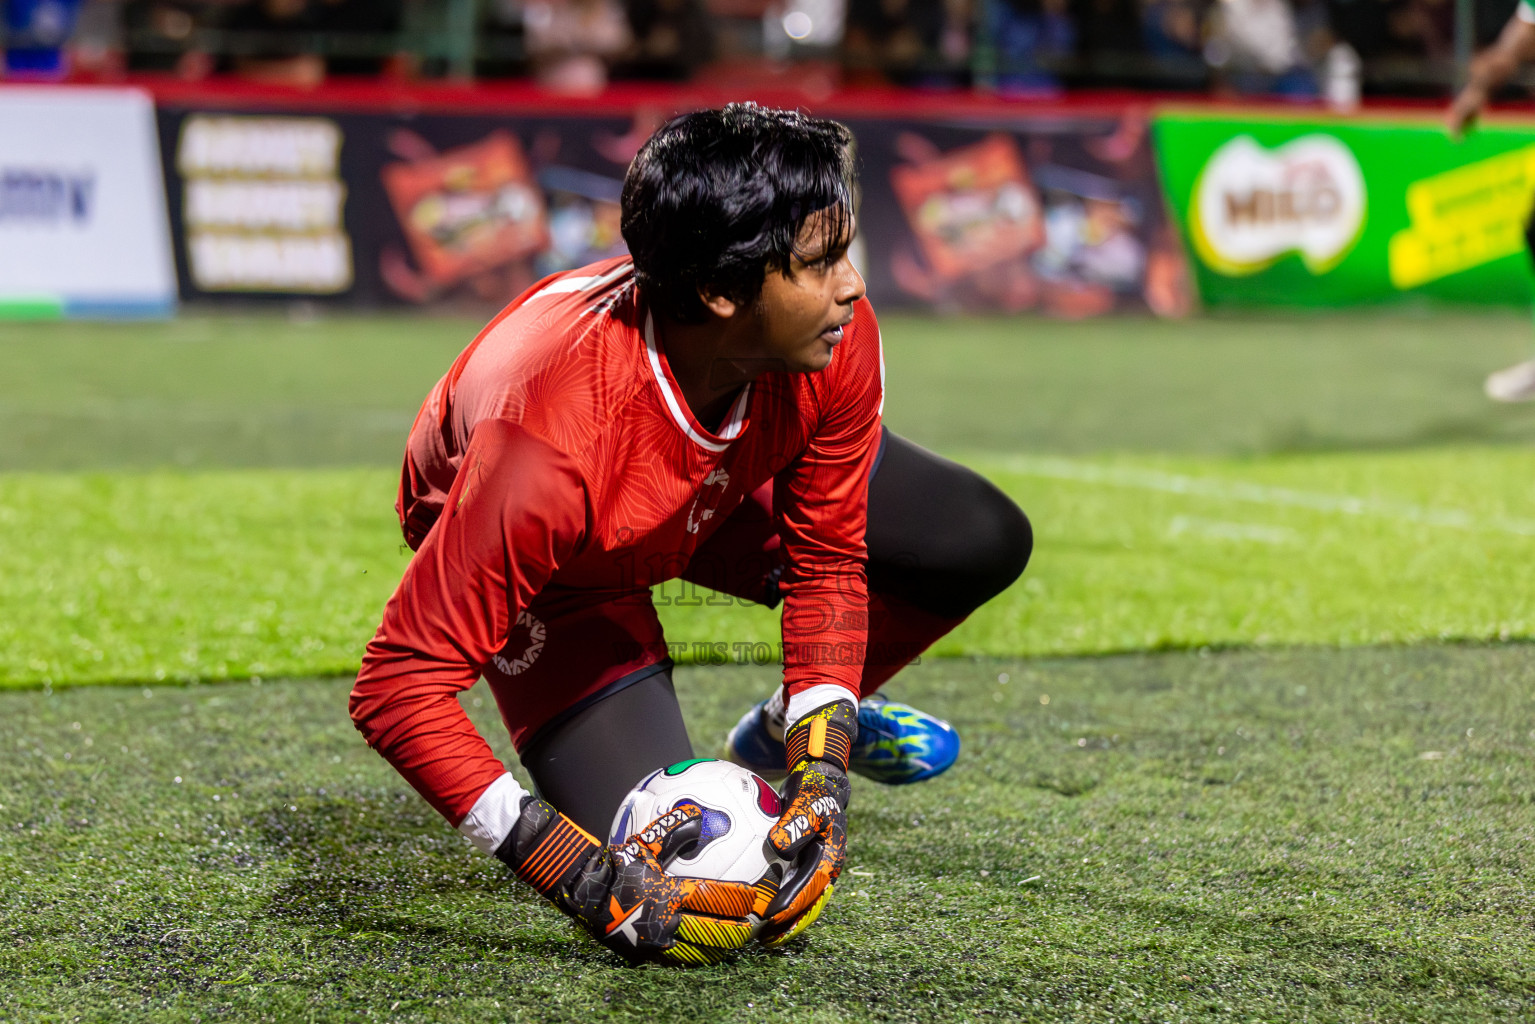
x=716, y=824
x=622, y=831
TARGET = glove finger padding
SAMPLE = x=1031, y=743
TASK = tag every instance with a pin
x=622, y=896
x=811, y=833
x=711, y=917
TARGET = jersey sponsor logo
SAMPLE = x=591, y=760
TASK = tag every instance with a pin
x=708, y=499
x=531, y=646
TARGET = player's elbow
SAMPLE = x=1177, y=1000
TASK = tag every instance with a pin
x=373, y=703
x=363, y=706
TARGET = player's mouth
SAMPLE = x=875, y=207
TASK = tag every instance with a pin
x=833, y=334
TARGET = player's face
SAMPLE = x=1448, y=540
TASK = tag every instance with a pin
x=802, y=312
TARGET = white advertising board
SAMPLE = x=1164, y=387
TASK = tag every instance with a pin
x=83, y=227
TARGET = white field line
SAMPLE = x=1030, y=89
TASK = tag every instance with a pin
x=1217, y=529
x=1056, y=468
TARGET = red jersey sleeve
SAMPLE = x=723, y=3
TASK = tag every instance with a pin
x=517, y=509
x=821, y=502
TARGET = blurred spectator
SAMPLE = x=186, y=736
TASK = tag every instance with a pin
x=97, y=49
x=162, y=35
x=1313, y=29
x=502, y=43
x=1028, y=35
x=362, y=30
x=1170, y=28
x=909, y=42
x=672, y=38
x=1107, y=28
x=1275, y=47
x=278, y=47
x=1361, y=24
x=1255, y=46
x=35, y=34
x=570, y=42
x=1424, y=27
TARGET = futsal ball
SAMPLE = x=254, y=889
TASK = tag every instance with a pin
x=739, y=809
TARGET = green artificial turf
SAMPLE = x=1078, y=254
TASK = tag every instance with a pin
x=217, y=391
x=1329, y=833
x=231, y=574
x=136, y=571
x=268, y=391
x=1276, y=836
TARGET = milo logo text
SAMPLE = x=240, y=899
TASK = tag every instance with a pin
x=1251, y=206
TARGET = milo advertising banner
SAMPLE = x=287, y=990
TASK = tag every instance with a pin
x=1322, y=212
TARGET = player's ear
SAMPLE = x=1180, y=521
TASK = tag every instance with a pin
x=720, y=305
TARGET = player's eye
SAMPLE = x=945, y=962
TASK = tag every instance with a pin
x=830, y=259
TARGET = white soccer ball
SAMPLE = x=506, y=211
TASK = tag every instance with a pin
x=739, y=808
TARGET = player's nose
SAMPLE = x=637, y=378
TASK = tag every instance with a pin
x=850, y=286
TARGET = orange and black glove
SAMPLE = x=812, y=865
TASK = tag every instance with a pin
x=621, y=894
x=811, y=834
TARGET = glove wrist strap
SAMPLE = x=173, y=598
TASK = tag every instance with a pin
x=545, y=848
x=826, y=734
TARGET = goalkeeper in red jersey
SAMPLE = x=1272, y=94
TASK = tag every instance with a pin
x=707, y=408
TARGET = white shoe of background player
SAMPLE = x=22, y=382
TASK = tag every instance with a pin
x=1515, y=384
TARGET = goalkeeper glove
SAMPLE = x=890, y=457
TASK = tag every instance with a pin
x=812, y=831
x=621, y=895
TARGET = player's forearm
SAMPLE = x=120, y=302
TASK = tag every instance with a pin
x=1499, y=62
x=825, y=637
x=408, y=711
x=1492, y=69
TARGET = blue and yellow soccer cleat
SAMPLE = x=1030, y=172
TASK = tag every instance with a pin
x=897, y=744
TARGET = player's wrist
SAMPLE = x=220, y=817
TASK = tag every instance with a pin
x=494, y=813
x=802, y=703
x=826, y=734
x=546, y=849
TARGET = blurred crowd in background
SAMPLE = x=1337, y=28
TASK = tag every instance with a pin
x=1304, y=49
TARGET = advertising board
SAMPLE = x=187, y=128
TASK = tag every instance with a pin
x=1059, y=215
x=1301, y=211
x=83, y=227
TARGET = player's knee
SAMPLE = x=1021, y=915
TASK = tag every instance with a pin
x=1000, y=541
x=983, y=551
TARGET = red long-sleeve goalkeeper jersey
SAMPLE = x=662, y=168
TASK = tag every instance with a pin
x=558, y=452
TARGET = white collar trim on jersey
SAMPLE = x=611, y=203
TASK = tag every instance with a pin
x=729, y=430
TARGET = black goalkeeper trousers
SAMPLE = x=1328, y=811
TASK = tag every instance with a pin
x=940, y=537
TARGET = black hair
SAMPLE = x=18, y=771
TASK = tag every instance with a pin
x=717, y=197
